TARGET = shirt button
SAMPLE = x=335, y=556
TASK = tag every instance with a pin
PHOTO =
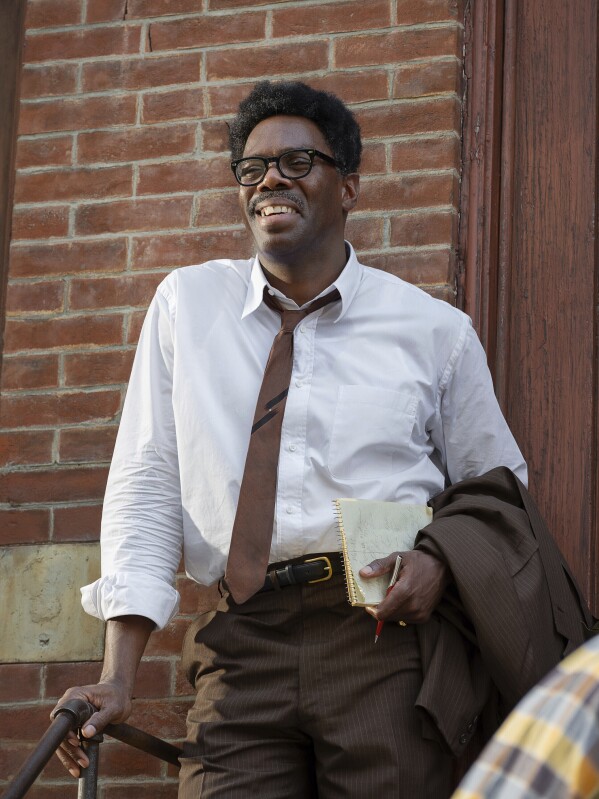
x=298, y=383
x=292, y=448
x=271, y=292
x=302, y=329
x=289, y=509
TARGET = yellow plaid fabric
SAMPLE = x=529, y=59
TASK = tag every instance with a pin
x=548, y=748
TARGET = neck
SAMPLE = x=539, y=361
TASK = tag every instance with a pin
x=303, y=280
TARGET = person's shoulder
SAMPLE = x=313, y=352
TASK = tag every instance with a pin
x=205, y=279
x=408, y=299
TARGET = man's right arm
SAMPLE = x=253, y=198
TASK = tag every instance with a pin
x=126, y=639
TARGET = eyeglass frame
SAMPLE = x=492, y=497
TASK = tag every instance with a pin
x=275, y=159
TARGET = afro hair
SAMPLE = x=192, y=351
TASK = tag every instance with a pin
x=292, y=98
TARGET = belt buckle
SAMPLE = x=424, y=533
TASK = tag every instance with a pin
x=327, y=566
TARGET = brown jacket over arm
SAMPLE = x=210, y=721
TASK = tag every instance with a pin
x=511, y=613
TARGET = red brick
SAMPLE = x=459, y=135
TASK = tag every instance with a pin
x=403, y=118
x=214, y=5
x=25, y=722
x=141, y=73
x=12, y=756
x=49, y=790
x=77, y=523
x=136, y=320
x=374, y=159
x=205, y=173
x=394, y=46
x=255, y=62
x=73, y=184
x=67, y=484
x=155, y=8
x=189, y=248
x=59, y=408
x=157, y=790
x=408, y=191
x=46, y=13
x=188, y=590
x=203, y=31
x=106, y=10
x=37, y=260
x=353, y=87
x=410, y=13
x=182, y=685
x=426, y=153
x=54, y=151
x=180, y=104
x=40, y=223
x=114, y=40
x=153, y=679
x=136, y=143
x=121, y=760
x=47, y=116
x=332, y=18
x=48, y=81
x=165, y=719
x=169, y=640
x=365, y=234
x=215, y=136
x=104, y=367
x=217, y=209
x=63, y=332
x=432, y=77
x=421, y=268
x=60, y=676
x=19, y=682
x=417, y=230
x=39, y=371
x=87, y=444
x=34, y=297
x=24, y=527
x=123, y=215
x=25, y=448
x=112, y=292
x=445, y=293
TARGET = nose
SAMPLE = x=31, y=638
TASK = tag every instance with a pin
x=272, y=179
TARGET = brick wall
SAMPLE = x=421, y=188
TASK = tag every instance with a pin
x=122, y=176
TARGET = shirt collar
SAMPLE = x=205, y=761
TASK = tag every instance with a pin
x=346, y=284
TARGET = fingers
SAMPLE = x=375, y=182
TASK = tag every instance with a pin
x=112, y=703
x=419, y=588
x=380, y=566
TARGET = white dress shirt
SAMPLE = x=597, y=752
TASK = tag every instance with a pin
x=390, y=399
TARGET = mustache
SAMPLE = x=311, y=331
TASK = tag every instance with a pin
x=272, y=196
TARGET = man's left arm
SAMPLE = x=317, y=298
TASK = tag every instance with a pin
x=472, y=438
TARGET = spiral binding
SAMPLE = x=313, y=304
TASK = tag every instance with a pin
x=349, y=577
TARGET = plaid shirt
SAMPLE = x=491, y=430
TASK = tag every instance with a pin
x=548, y=748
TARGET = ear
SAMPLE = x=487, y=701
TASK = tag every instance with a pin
x=350, y=191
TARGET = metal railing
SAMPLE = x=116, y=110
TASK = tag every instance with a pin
x=72, y=715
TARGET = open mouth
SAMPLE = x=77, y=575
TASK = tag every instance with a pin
x=271, y=210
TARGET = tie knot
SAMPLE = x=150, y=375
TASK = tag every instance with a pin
x=290, y=318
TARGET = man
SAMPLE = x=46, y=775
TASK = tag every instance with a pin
x=548, y=748
x=386, y=395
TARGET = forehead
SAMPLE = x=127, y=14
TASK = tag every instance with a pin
x=277, y=134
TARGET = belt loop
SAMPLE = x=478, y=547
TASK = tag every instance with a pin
x=275, y=579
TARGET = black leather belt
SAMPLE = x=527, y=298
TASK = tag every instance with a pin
x=312, y=569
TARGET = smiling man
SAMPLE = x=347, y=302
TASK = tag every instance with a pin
x=261, y=391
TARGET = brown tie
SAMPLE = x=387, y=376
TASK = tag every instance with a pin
x=252, y=530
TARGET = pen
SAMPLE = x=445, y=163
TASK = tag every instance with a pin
x=392, y=581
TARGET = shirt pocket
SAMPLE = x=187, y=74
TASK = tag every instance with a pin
x=372, y=428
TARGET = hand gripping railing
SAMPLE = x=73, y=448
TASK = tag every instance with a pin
x=71, y=716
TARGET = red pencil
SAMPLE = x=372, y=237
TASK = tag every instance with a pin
x=392, y=581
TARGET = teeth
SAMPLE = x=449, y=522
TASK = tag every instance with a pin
x=276, y=209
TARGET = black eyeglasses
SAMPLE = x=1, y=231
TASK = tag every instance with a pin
x=292, y=164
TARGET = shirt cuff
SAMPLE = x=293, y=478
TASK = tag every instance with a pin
x=130, y=593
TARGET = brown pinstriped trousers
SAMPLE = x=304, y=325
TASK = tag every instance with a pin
x=295, y=701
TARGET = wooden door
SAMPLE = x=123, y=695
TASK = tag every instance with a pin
x=529, y=248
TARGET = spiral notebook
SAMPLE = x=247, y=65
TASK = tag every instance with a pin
x=370, y=529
